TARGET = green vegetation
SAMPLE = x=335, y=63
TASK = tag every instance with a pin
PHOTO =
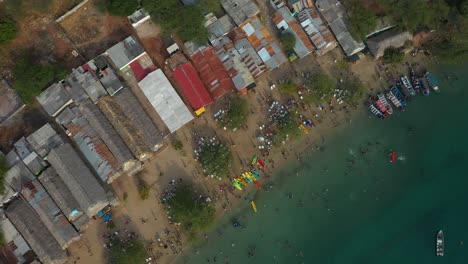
x=354, y=91
x=131, y=252
x=31, y=77
x=125, y=197
x=118, y=7
x=288, y=128
x=288, y=41
x=236, y=114
x=215, y=159
x=3, y=170
x=393, y=56
x=144, y=191
x=177, y=144
x=288, y=87
x=186, y=21
x=8, y=30
x=322, y=88
x=186, y=208
x=211, y=5
x=362, y=21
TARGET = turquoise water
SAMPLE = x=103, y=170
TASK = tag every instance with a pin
x=350, y=205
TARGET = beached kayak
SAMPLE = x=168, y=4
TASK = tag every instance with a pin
x=254, y=206
x=257, y=184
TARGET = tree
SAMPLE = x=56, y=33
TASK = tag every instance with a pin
x=288, y=41
x=3, y=170
x=31, y=77
x=237, y=113
x=187, y=208
x=288, y=87
x=177, y=144
x=288, y=128
x=354, y=91
x=393, y=56
x=131, y=252
x=322, y=88
x=120, y=7
x=144, y=191
x=8, y=30
x=215, y=159
x=362, y=21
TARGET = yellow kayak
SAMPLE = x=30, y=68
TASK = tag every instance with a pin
x=304, y=129
x=254, y=207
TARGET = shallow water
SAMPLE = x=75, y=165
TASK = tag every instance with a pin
x=350, y=205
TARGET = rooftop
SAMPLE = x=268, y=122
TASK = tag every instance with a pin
x=124, y=52
x=240, y=10
x=316, y=29
x=247, y=52
x=138, y=17
x=44, y=139
x=165, y=100
x=220, y=27
x=14, y=241
x=299, y=5
x=191, y=85
x=54, y=99
x=9, y=101
x=390, y=38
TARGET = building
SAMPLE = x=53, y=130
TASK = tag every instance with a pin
x=165, y=100
x=29, y=157
x=49, y=213
x=110, y=137
x=10, y=103
x=90, y=144
x=18, y=175
x=211, y=71
x=266, y=47
x=131, y=59
x=233, y=64
x=44, y=139
x=15, y=248
x=317, y=31
x=240, y=10
x=41, y=241
x=299, y=5
x=138, y=17
x=387, y=39
x=287, y=24
x=218, y=27
x=192, y=87
x=79, y=179
x=247, y=52
x=335, y=15
x=277, y=3
x=54, y=99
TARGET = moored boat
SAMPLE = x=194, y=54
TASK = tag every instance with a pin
x=380, y=106
x=385, y=103
x=403, y=91
x=374, y=110
x=395, y=100
x=432, y=81
x=425, y=88
x=398, y=95
x=440, y=243
x=407, y=85
x=415, y=81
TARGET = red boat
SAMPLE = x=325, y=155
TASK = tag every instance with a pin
x=394, y=157
x=260, y=162
x=257, y=185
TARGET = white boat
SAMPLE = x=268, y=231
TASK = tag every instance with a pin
x=440, y=244
x=374, y=110
x=384, y=101
x=407, y=85
x=395, y=100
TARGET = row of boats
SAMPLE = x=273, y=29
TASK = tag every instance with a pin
x=401, y=92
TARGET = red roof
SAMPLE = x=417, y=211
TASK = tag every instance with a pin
x=212, y=72
x=139, y=71
x=191, y=85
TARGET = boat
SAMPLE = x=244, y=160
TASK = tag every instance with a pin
x=237, y=185
x=440, y=244
x=432, y=81
x=385, y=103
x=304, y=129
x=398, y=94
x=255, y=173
x=407, y=85
x=254, y=160
x=254, y=206
x=236, y=223
x=393, y=156
x=415, y=81
x=257, y=184
x=402, y=90
x=261, y=163
x=380, y=106
x=425, y=88
x=247, y=177
x=395, y=101
x=374, y=110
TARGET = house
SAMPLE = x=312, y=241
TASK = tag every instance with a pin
x=240, y=10
x=84, y=187
x=218, y=27
x=15, y=248
x=38, y=236
x=266, y=47
x=211, y=71
x=247, y=52
x=387, y=39
x=192, y=87
x=165, y=100
x=54, y=99
x=286, y=23
x=277, y=3
x=110, y=137
x=90, y=144
x=335, y=15
x=317, y=31
x=233, y=64
x=44, y=139
x=10, y=103
x=17, y=176
x=49, y=213
x=299, y=5
x=138, y=17
x=29, y=157
x=131, y=59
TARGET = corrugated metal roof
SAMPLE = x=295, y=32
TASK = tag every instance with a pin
x=247, y=52
x=124, y=52
x=212, y=72
x=19, y=247
x=191, y=85
x=240, y=10
x=54, y=99
x=220, y=27
x=164, y=99
x=44, y=139
x=18, y=175
x=49, y=213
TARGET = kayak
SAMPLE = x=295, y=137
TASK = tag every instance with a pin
x=247, y=177
x=254, y=160
x=257, y=185
x=254, y=206
x=304, y=129
x=261, y=163
x=237, y=185
x=255, y=173
x=394, y=156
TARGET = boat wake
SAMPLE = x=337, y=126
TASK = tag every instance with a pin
x=401, y=158
x=351, y=152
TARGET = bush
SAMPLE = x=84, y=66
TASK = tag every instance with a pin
x=177, y=144
x=186, y=208
x=361, y=20
x=121, y=7
x=393, y=56
x=322, y=88
x=31, y=77
x=288, y=87
x=3, y=170
x=288, y=41
x=215, y=159
x=287, y=129
x=237, y=113
x=144, y=191
x=354, y=91
x=131, y=252
x=8, y=30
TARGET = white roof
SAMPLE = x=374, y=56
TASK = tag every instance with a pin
x=248, y=29
x=164, y=99
x=263, y=53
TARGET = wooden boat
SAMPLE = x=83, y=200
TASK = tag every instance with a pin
x=440, y=244
x=407, y=85
x=374, y=110
x=385, y=103
x=395, y=101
